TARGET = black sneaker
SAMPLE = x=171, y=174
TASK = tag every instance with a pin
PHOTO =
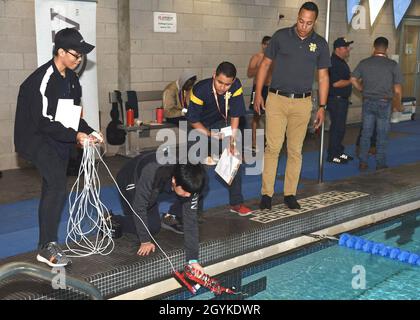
x=346, y=157
x=171, y=223
x=337, y=160
x=52, y=255
x=265, y=202
x=291, y=203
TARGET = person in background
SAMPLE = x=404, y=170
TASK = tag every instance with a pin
x=253, y=66
x=296, y=52
x=379, y=79
x=176, y=97
x=338, y=100
x=45, y=142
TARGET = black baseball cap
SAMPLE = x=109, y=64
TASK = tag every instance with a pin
x=70, y=38
x=342, y=42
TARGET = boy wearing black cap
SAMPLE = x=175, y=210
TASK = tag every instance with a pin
x=338, y=100
x=45, y=141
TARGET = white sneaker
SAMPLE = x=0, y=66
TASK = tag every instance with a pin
x=53, y=255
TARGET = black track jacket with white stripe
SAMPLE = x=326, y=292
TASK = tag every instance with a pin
x=36, y=108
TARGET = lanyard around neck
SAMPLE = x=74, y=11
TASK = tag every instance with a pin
x=227, y=97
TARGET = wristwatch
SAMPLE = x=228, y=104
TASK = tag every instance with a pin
x=324, y=106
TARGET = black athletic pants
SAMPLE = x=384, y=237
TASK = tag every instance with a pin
x=153, y=218
x=52, y=169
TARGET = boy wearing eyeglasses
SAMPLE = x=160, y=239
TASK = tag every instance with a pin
x=45, y=141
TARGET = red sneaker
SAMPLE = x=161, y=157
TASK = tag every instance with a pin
x=240, y=209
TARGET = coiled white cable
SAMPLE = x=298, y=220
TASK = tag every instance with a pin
x=89, y=226
x=86, y=205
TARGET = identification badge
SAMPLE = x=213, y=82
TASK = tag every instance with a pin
x=227, y=131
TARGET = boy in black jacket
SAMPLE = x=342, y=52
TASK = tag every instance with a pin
x=45, y=142
x=141, y=181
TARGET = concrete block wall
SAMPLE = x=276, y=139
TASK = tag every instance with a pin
x=209, y=31
x=107, y=55
x=18, y=60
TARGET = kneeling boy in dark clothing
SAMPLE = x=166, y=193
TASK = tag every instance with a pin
x=141, y=181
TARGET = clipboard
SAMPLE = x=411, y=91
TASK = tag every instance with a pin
x=228, y=166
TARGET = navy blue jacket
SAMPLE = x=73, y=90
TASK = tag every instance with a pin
x=36, y=108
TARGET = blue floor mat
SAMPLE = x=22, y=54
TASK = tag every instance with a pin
x=412, y=127
x=333, y=172
x=24, y=240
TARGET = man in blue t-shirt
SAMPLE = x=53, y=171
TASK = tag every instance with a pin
x=207, y=111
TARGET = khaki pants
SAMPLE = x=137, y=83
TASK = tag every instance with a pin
x=284, y=116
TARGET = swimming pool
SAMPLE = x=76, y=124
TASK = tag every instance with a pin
x=327, y=271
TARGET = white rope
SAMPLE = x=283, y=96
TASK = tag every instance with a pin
x=86, y=208
x=89, y=226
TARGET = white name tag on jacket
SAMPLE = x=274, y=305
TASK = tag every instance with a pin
x=227, y=131
x=68, y=113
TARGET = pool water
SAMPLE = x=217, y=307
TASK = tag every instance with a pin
x=328, y=271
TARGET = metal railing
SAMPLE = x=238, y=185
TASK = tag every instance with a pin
x=16, y=268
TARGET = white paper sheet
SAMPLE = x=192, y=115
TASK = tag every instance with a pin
x=68, y=114
x=228, y=166
x=227, y=131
